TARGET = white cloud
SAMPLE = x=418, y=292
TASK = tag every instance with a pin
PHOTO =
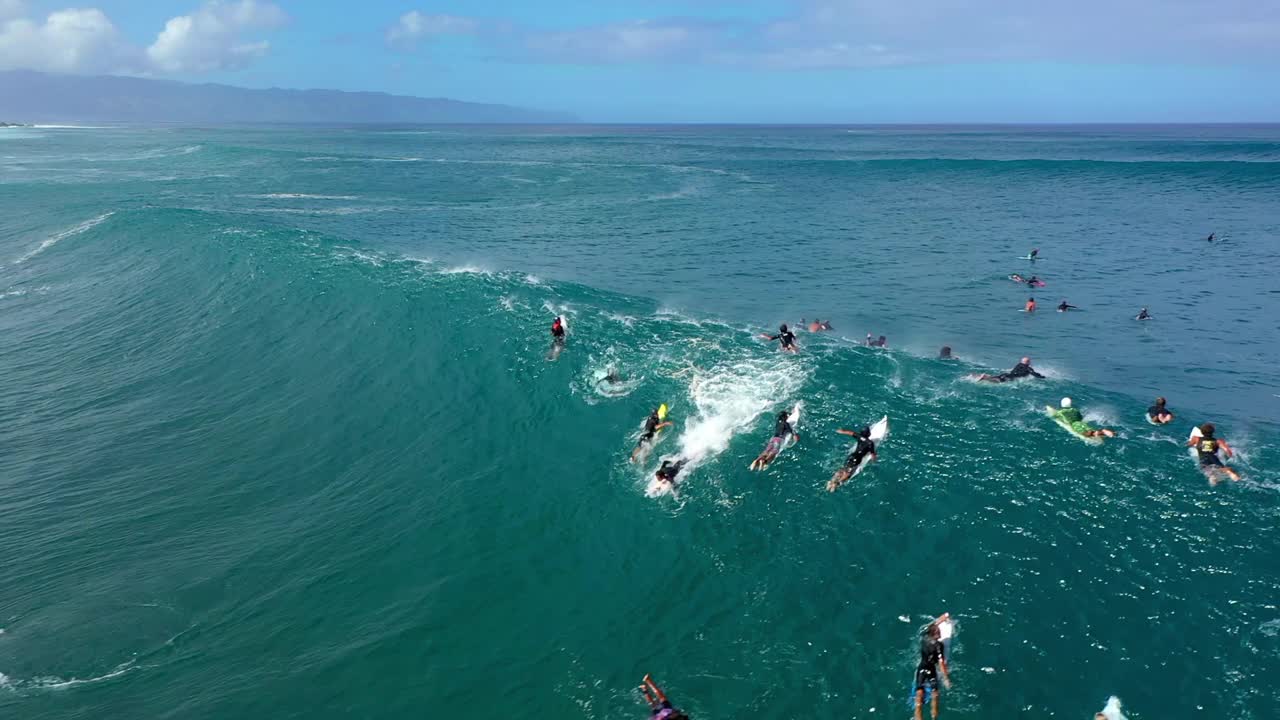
x=413, y=26
x=67, y=41
x=640, y=40
x=86, y=41
x=211, y=38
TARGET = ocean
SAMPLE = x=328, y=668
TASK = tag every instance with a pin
x=279, y=437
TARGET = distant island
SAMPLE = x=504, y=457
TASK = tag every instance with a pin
x=9, y=124
x=46, y=97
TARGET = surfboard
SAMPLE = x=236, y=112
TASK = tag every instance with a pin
x=1195, y=435
x=1053, y=413
x=879, y=432
x=1029, y=257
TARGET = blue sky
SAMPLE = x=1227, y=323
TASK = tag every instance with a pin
x=700, y=60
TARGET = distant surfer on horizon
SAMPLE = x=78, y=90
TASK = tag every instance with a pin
x=865, y=448
x=1022, y=370
x=659, y=707
x=1159, y=414
x=1063, y=307
x=1207, y=447
x=781, y=431
x=933, y=658
x=652, y=426
x=787, y=338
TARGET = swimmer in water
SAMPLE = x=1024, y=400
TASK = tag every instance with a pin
x=659, y=707
x=1030, y=306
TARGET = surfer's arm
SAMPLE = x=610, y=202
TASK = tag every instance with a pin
x=663, y=425
x=1226, y=449
x=1192, y=442
x=767, y=336
x=1033, y=372
x=842, y=431
x=946, y=676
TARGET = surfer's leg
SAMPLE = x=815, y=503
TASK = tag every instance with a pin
x=935, y=703
x=919, y=700
x=1231, y=473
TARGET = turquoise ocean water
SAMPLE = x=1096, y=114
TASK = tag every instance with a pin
x=278, y=438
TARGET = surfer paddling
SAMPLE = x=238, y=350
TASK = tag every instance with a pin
x=864, y=450
x=659, y=707
x=1022, y=370
x=1158, y=414
x=932, y=666
x=652, y=426
x=1207, y=447
x=781, y=431
x=1072, y=417
x=669, y=470
x=784, y=335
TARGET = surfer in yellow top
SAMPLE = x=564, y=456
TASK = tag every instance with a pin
x=1207, y=447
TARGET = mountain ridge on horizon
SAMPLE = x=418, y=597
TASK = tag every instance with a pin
x=29, y=96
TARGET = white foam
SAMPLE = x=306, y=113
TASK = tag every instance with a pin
x=69, y=232
x=1112, y=710
x=302, y=196
x=465, y=270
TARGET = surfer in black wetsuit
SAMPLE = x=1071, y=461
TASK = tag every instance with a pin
x=1034, y=253
x=652, y=425
x=1022, y=370
x=932, y=660
x=667, y=473
x=1211, y=236
x=557, y=331
x=865, y=447
x=1063, y=307
x=787, y=337
x=1143, y=315
x=945, y=353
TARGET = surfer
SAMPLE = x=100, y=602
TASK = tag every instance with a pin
x=1211, y=236
x=781, y=431
x=667, y=473
x=787, y=337
x=825, y=325
x=1143, y=315
x=1030, y=306
x=1072, y=417
x=1017, y=278
x=879, y=342
x=866, y=448
x=1022, y=370
x=1035, y=281
x=659, y=707
x=945, y=353
x=652, y=425
x=932, y=660
x=1158, y=413
x=1063, y=307
x=1035, y=252
x=557, y=331
x=1207, y=447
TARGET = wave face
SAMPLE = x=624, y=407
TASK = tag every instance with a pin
x=281, y=438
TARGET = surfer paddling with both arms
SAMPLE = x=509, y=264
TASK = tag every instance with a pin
x=1022, y=370
x=781, y=431
x=933, y=658
x=1207, y=447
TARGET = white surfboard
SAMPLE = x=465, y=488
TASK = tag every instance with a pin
x=1195, y=435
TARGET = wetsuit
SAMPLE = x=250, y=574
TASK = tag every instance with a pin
x=1144, y=315
x=669, y=470
x=788, y=339
x=1021, y=370
x=651, y=424
x=864, y=447
x=557, y=333
x=931, y=653
x=1155, y=411
x=1065, y=307
x=1207, y=448
x=666, y=712
x=1072, y=417
x=780, y=432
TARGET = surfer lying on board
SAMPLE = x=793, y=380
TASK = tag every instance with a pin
x=932, y=660
x=781, y=430
x=652, y=425
x=1207, y=447
x=667, y=473
x=865, y=447
x=1035, y=282
x=1072, y=417
x=787, y=337
x=557, y=331
x=1159, y=414
x=659, y=707
x=1021, y=370
x=1063, y=307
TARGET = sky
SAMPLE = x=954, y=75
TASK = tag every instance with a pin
x=775, y=61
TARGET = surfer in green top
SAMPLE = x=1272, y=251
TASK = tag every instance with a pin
x=1072, y=417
